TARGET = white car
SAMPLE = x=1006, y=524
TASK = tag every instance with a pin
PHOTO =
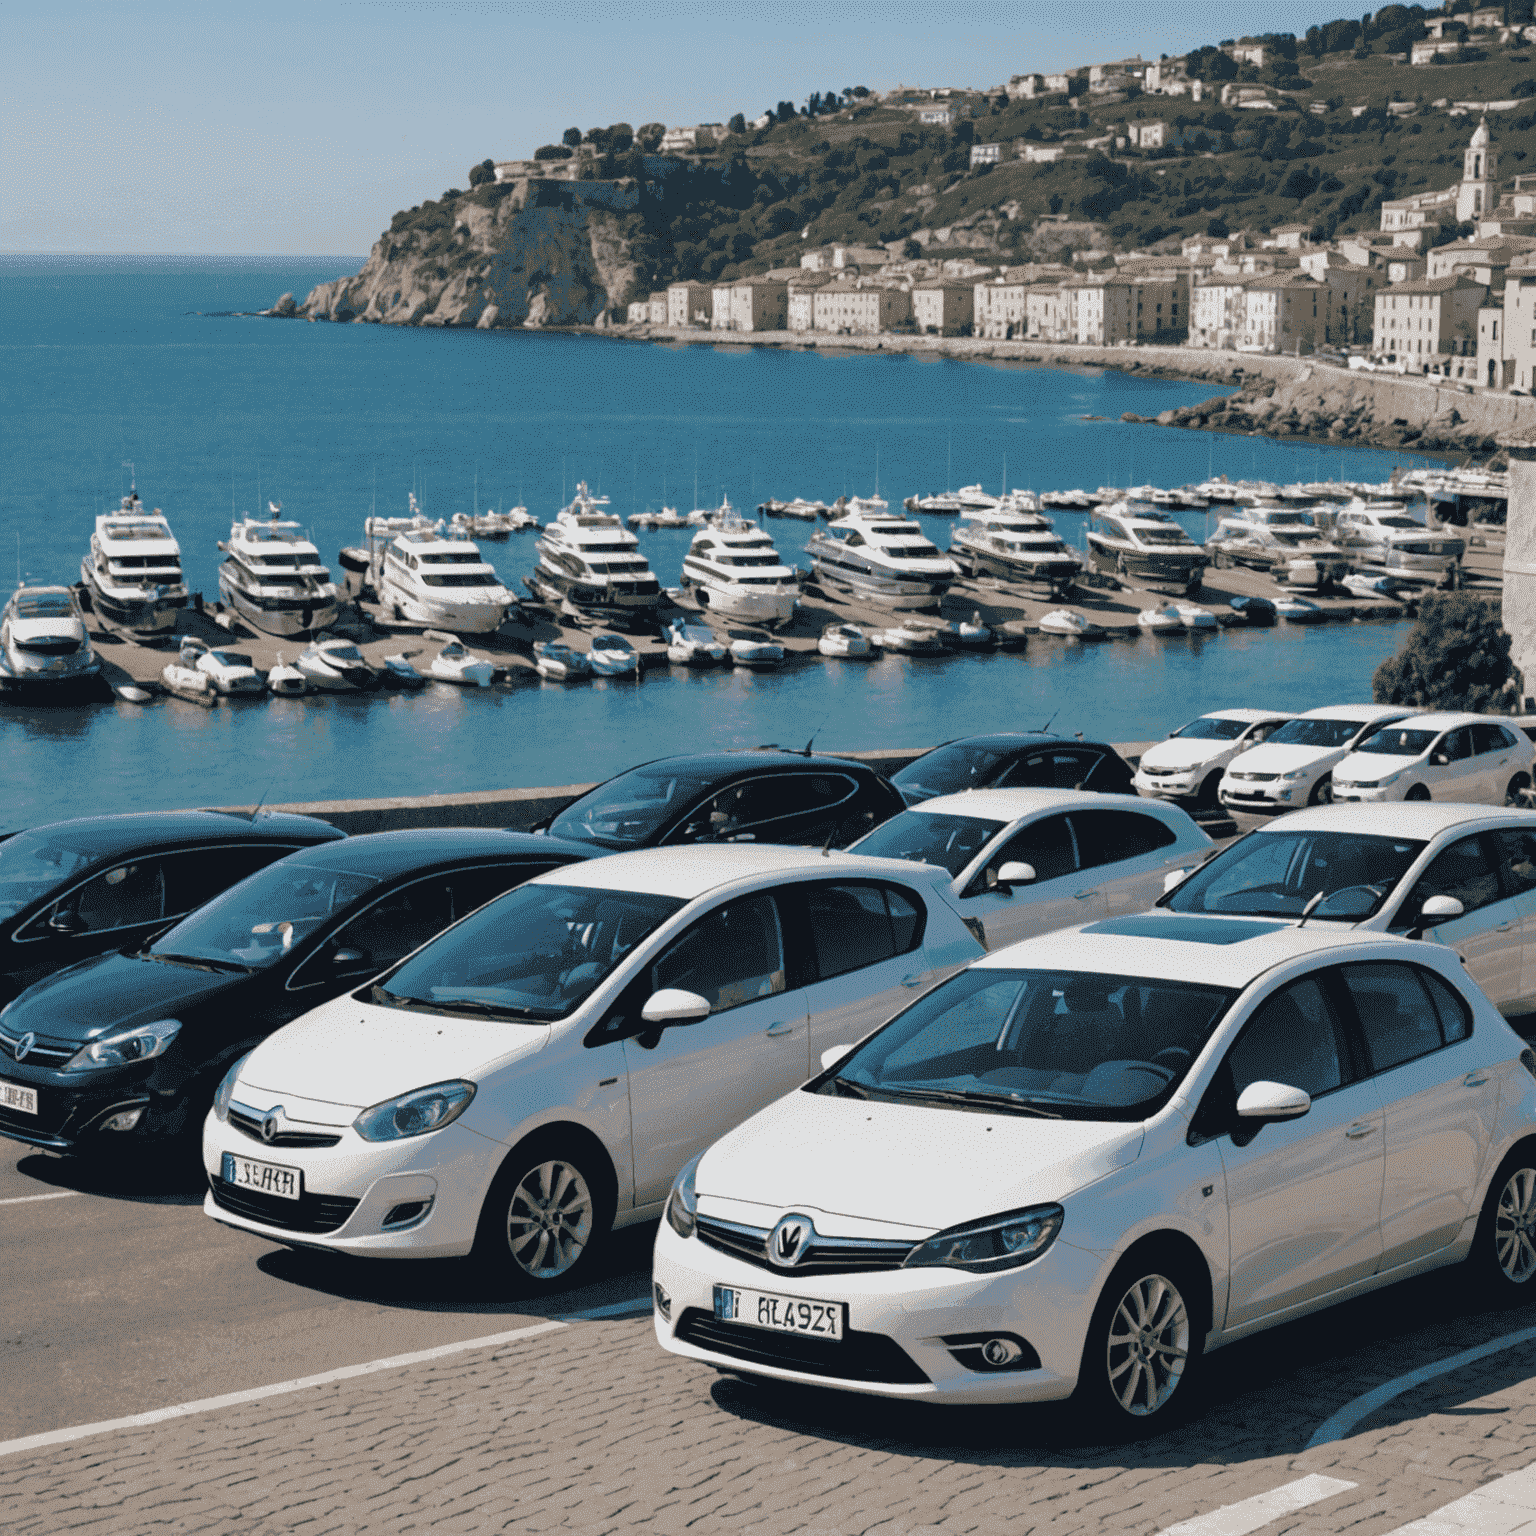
x=1459, y=875
x=1025, y=861
x=1084, y=1162
x=535, y=1075
x=1295, y=766
x=1438, y=756
x=1188, y=764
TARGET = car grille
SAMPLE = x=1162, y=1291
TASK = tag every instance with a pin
x=249, y=1124
x=309, y=1213
x=1255, y=778
x=44, y=1052
x=856, y=1357
x=821, y=1256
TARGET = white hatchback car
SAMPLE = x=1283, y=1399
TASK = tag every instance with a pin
x=1085, y=1161
x=1438, y=756
x=537, y=1073
x=1295, y=766
x=1025, y=861
x=1188, y=763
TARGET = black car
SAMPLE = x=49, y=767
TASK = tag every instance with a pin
x=1030, y=759
x=71, y=889
x=731, y=797
x=131, y=1046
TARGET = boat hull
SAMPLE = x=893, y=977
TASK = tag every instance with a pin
x=901, y=594
x=282, y=616
x=739, y=603
x=1055, y=575
x=617, y=610
x=1183, y=570
x=147, y=615
x=456, y=618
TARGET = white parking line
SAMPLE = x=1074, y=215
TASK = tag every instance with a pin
x=1251, y=1514
x=277, y=1389
x=1499, y=1508
x=631, y=1308
x=63, y=1194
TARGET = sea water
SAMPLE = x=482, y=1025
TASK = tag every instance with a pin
x=109, y=361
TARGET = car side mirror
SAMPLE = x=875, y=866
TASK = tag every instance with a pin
x=1439, y=909
x=1014, y=873
x=672, y=1005
x=353, y=958
x=1440, y=760
x=1173, y=879
x=833, y=1055
x=66, y=923
x=1263, y=1102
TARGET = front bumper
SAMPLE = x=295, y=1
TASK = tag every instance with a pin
x=1354, y=796
x=1173, y=786
x=70, y=1114
x=1270, y=795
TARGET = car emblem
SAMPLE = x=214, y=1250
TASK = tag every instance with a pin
x=272, y=1124
x=24, y=1045
x=788, y=1241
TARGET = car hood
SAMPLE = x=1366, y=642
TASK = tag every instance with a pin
x=896, y=1164
x=1183, y=754
x=1373, y=765
x=109, y=992
x=1280, y=757
x=355, y=1054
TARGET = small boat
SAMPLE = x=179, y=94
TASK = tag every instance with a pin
x=668, y=517
x=911, y=639
x=1363, y=585
x=456, y=664
x=468, y=526
x=397, y=673
x=753, y=648
x=285, y=680
x=1062, y=621
x=519, y=519
x=1193, y=616
x=131, y=693
x=694, y=645
x=1012, y=635
x=231, y=672
x=801, y=509
x=972, y=634
x=190, y=684
x=1253, y=610
x=560, y=663
x=1067, y=501
x=1160, y=621
x=336, y=666
x=844, y=640
x=613, y=656
x=1297, y=610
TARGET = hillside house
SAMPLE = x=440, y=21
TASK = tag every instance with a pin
x=843, y=309
x=690, y=304
x=1216, y=318
x=939, y=117
x=1040, y=154
x=943, y=309
x=1024, y=87
x=1280, y=313
x=998, y=307
x=1429, y=320
x=985, y=154
x=679, y=140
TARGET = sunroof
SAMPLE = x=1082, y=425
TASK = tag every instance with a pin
x=1189, y=930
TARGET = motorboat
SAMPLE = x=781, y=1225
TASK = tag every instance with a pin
x=844, y=640
x=424, y=576
x=560, y=663
x=1471, y=502
x=668, y=517
x=911, y=639
x=733, y=569
x=334, y=665
x=690, y=644
x=1066, y=501
x=189, y=683
x=942, y=504
x=479, y=525
x=1015, y=545
x=1064, y=622
x=285, y=680
x=519, y=519
x=232, y=673
x=1160, y=621
x=398, y=673
x=454, y=663
x=1011, y=635
x=1382, y=535
x=882, y=560
x=1297, y=610
x=613, y=656
x=590, y=560
x=43, y=640
x=972, y=634
x=133, y=569
x=1362, y=584
x=800, y=509
x=1281, y=540
x=1194, y=617
x=1136, y=540
x=1253, y=611
x=131, y=693
x=753, y=648
x=1218, y=492
x=274, y=577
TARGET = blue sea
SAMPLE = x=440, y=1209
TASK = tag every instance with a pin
x=149, y=361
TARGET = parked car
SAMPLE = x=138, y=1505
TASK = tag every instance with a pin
x=1013, y=760
x=731, y=797
x=1294, y=766
x=1438, y=756
x=128, y=1047
x=1457, y=875
x=536, y=1075
x=1188, y=764
x=72, y=889
x=1025, y=861
x=1084, y=1162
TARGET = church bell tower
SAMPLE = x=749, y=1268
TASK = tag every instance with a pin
x=1478, y=194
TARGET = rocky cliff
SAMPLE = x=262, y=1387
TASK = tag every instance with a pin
x=521, y=253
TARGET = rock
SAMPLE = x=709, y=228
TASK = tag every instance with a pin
x=284, y=307
x=488, y=318
x=1164, y=418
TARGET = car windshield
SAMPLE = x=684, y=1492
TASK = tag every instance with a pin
x=1212, y=728
x=258, y=921
x=1071, y=1045
x=930, y=837
x=948, y=770
x=535, y=953
x=1276, y=873
x=31, y=865
x=44, y=605
x=1316, y=733
x=629, y=811
x=1397, y=743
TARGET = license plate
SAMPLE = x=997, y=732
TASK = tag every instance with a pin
x=14, y=1096
x=781, y=1314
x=263, y=1178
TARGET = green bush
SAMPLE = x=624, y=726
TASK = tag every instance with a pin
x=1455, y=657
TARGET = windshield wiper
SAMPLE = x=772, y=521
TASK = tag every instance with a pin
x=454, y=1006
x=199, y=962
x=849, y=1090
x=970, y=1096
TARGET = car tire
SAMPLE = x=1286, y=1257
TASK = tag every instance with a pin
x=1145, y=1342
x=1418, y=792
x=1322, y=791
x=547, y=1215
x=1502, y=1261
x=1517, y=786
x=1208, y=797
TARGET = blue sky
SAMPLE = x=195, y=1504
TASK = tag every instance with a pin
x=301, y=127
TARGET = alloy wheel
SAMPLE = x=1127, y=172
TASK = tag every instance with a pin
x=1147, y=1346
x=550, y=1219
x=1516, y=788
x=1514, y=1226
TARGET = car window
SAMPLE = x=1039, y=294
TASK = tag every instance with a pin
x=1045, y=845
x=1059, y=768
x=1488, y=738
x=731, y=957
x=1398, y=1018
x=385, y=932
x=1456, y=745
x=742, y=807
x=1463, y=870
x=471, y=888
x=1108, y=774
x=930, y=837
x=200, y=874
x=1455, y=1016
x=121, y=897
x=855, y=924
x=1517, y=858
x=1292, y=1038
x=1106, y=837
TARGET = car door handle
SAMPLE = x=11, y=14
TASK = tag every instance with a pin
x=774, y=1031
x=1084, y=895
x=916, y=979
x=1505, y=927
x=1474, y=1079
x=1359, y=1129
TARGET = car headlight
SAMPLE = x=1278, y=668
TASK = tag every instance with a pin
x=226, y=1089
x=415, y=1113
x=125, y=1048
x=683, y=1202
x=998, y=1242
x=1293, y=775
x=1391, y=778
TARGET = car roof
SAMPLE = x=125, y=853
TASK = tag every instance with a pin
x=1361, y=712
x=1216, y=951
x=1001, y=740
x=694, y=869
x=104, y=837
x=1420, y=819
x=734, y=764
x=387, y=854
x=1011, y=804
x=1253, y=715
x=1446, y=719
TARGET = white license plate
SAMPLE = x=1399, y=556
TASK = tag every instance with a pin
x=781, y=1314
x=263, y=1178
x=14, y=1096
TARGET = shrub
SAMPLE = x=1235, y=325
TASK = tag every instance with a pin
x=1456, y=656
x=485, y=171
x=552, y=152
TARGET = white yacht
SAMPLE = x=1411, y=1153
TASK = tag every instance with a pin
x=425, y=576
x=587, y=557
x=734, y=570
x=1016, y=546
x=1137, y=540
x=274, y=577
x=1381, y=533
x=1281, y=540
x=881, y=559
x=133, y=569
x=44, y=641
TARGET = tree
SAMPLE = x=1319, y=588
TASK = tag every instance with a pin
x=738, y=124
x=552, y=152
x=648, y=135
x=1456, y=656
x=571, y=137
x=485, y=171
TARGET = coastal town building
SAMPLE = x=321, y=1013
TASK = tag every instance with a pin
x=658, y=308
x=1280, y=313
x=1216, y=319
x=985, y=154
x=1348, y=302
x=843, y=308
x=680, y=140
x=943, y=309
x=751, y=304
x=999, y=308
x=1428, y=320
x=1044, y=315
x=690, y=304
x=1494, y=370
